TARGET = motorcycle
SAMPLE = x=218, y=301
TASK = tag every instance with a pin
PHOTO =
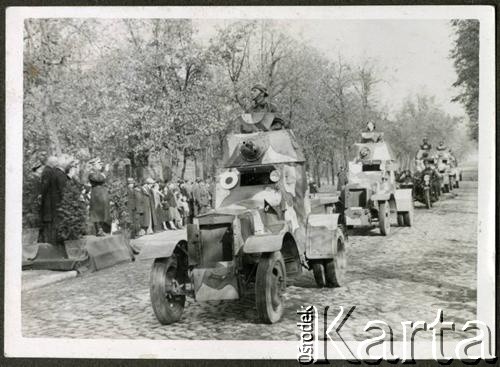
x=425, y=188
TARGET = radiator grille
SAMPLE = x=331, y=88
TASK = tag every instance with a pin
x=356, y=197
x=216, y=243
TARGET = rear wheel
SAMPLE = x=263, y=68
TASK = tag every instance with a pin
x=384, y=218
x=319, y=274
x=270, y=284
x=335, y=268
x=408, y=217
x=401, y=221
x=168, y=303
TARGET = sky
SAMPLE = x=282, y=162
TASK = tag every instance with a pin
x=411, y=55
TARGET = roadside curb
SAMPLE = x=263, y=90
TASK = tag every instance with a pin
x=47, y=279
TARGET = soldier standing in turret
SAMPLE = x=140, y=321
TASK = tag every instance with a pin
x=260, y=103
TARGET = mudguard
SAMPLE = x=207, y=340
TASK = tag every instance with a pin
x=321, y=235
x=162, y=247
x=263, y=243
x=404, y=200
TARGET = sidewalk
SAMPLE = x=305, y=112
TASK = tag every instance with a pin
x=33, y=279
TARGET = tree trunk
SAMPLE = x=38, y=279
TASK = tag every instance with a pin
x=317, y=177
x=184, y=162
x=332, y=167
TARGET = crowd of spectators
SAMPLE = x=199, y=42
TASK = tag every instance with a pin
x=156, y=206
x=152, y=205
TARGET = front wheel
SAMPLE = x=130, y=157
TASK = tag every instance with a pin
x=164, y=290
x=384, y=218
x=427, y=198
x=270, y=284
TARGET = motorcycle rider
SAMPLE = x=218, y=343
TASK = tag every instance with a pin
x=430, y=170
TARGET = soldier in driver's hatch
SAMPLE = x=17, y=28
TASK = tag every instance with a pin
x=259, y=97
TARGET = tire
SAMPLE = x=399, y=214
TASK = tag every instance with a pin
x=319, y=274
x=335, y=268
x=427, y=198
x=270, y=284
x=408, y=218
x=384, y=218
x=401, y=221
x=167, y=305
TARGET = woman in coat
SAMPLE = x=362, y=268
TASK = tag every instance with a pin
x=99, y=198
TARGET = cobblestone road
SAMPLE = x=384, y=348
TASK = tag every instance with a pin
x=406, y=276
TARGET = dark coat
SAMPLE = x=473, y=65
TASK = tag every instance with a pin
x=131, y=200
x=143, y=207
x=53, y=181
x=99, y=198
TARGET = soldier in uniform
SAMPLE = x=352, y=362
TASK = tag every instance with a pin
x=260, y=103
x=442, y=147
x=425, y=145
x=342, y=179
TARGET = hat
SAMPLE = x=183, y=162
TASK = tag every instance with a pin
x=95, y=160
x=261, y=87
x=36, y=166
x=130, y=180
x=149, y=180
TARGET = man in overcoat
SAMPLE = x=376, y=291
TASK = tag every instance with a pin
x=52, y=182
x=99, y=198
x=132, y=206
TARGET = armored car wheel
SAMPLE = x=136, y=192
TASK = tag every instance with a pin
x=335, y=268
x=401, y=221
x=427, y=197
x=270, y=284
x=384, y=218
x=168, y=303
x=319, y=274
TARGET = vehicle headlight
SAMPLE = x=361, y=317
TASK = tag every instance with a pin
x=228, y=180
x=274, y=176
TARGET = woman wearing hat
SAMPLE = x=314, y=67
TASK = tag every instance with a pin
x=99, y=198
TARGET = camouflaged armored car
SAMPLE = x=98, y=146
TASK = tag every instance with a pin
x=261, y=233
x=371, y=196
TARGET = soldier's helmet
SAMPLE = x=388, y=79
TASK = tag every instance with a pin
x=261, y=87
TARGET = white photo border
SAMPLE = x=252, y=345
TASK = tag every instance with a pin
x=18, y=346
